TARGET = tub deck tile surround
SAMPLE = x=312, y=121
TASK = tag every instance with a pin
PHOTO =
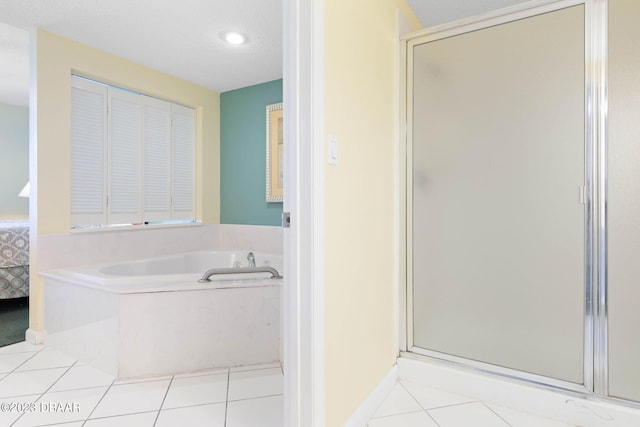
x=65, y=250
x=237, y=397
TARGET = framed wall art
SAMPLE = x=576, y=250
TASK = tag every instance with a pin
x=275, y=153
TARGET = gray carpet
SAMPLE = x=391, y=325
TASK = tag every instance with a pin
x=14, y=320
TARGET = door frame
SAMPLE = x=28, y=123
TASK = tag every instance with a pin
x=303, y=311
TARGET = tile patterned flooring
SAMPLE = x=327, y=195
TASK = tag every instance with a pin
x=43, y=380
x=40, y=378
x=414, y=405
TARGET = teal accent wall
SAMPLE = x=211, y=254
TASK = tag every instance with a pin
x=14, y=161
x=243, y=155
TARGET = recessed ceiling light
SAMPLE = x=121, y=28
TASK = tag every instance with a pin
x=234, y=38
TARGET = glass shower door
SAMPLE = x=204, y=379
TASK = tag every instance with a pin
x=497, y=214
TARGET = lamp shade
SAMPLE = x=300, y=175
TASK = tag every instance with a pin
x=25, y=190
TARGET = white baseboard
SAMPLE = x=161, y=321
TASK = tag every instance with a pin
x=567, y=407
x=368, y=408
x=33, y=336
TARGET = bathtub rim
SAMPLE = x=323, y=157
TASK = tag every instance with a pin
x=90, y=276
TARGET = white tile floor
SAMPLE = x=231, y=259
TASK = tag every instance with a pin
x=38, y=378
x=44, y=380
x=414, y=405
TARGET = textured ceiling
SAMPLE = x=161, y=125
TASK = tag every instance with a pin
x=435, y=12
x=181, y=38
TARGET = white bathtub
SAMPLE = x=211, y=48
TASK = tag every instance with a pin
x=151, y=317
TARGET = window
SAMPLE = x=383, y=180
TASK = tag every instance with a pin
x=132, y=157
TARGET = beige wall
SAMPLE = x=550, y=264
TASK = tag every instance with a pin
x=361, y=273
x=55, y=59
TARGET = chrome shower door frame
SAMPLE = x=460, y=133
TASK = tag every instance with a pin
x=595, y=253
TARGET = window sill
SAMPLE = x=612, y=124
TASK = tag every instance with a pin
x=133, y=227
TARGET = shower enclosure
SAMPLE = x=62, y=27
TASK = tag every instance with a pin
x=523, y=194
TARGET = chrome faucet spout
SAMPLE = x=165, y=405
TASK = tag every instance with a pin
x=252, y=259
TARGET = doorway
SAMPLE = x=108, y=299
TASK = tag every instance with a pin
x=14, y=174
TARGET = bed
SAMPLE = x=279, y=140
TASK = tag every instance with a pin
x=14, y=259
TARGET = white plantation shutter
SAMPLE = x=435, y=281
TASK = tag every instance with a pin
x=132, y=157
x=157, y=160
x=88, y=157
x=125, y=186
x=184, y=131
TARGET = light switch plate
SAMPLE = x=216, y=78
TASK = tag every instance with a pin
x=333, y=150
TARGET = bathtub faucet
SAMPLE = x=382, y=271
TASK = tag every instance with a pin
x=252, y=259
